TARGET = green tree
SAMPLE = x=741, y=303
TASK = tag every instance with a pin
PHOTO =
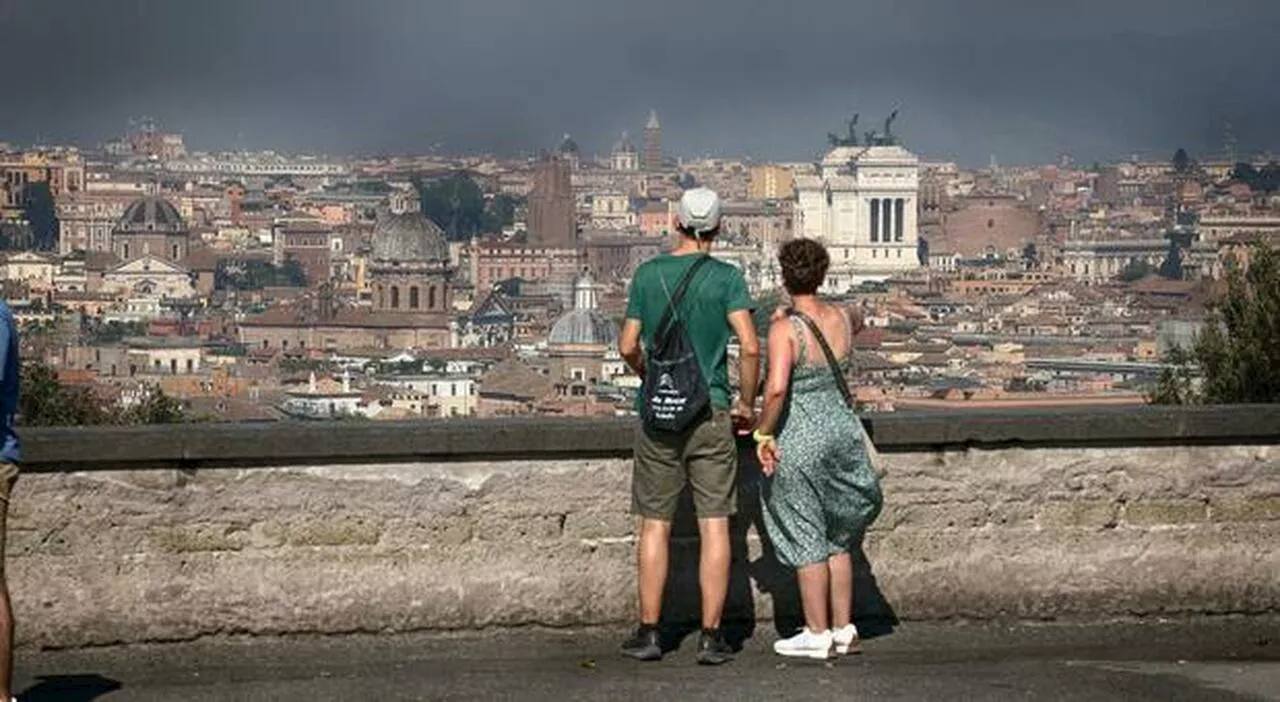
x=1030, y=255
x=1265, y=179
x=114, y=331
x=455, y=203
x=44, y=401
x=155, y=407
x=256, y=275
x=1237, y=354
x=1136, y=270
x=1181, y=161
x=766, y=304
x=40, y=212
x=500, y=212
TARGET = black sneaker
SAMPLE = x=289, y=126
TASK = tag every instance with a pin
x=643, y=645
x=712, y=649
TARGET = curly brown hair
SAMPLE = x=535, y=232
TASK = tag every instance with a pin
x=804, y=266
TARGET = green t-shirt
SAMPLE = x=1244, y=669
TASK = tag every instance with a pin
x=717, y=290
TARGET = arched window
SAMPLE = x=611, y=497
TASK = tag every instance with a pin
x=413, y=297
x=395, y=297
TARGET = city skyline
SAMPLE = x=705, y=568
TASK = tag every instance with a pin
x=990, y=79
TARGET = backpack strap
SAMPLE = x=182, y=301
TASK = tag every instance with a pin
x=841, y=382
x=673, y=300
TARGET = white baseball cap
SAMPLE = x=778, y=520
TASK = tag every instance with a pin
x=700, y=211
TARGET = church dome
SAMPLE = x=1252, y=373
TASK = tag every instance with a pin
x=584, y=325
x=409, y=237
x=151, y=215
x=625, y=145
x=569, y=146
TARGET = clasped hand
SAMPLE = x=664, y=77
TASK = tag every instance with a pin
x=769, y=455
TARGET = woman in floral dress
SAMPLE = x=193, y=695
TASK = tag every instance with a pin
x=821, y=491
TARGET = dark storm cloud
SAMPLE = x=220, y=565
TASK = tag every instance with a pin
x=1023, y=80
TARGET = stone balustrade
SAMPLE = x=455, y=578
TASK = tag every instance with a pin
x=165, y=533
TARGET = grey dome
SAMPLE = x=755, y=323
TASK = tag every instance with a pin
x=625, y=145
x=151, y=214
x=410, y=236
x=584, y=325
x=583, y=328
x=569, y=146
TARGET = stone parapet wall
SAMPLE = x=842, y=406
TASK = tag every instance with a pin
x=529, y=526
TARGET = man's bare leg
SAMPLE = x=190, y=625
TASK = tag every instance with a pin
x=652, y=561
x=713, y=569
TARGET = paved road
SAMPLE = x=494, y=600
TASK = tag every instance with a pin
x=1206, y=659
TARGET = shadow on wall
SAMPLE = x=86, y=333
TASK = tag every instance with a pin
x=69, y=688
x=681, y=600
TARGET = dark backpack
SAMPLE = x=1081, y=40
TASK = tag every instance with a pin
x=674, y=394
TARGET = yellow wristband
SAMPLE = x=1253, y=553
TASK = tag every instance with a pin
x=760, y=437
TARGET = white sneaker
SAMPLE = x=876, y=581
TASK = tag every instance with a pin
x=846, y=640
x=806, y=644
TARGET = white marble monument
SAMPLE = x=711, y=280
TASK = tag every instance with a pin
x=862, y=206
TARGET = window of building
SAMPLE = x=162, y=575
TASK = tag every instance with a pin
x=453, y=389
x=395, y=297
x=578, y=374
x=191, y=365
x=431, y=297
x=175, y=252
x=125, y=251
x=875, y=220
x=873, y=253
x=413, y=297
x=991, y=223
x=899, y=215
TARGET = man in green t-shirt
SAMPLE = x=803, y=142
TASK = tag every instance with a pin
x=704, y=456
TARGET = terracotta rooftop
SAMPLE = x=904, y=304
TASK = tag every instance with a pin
x=514, y=379
x=299, y=316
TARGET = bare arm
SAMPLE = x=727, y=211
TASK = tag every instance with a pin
x=748, y=357
x=781, y=357
x=629, y=347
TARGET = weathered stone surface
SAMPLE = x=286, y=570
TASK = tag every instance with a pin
x=110, y=556
x=1262, y=509
x=1167, y=512
x=1088, y=514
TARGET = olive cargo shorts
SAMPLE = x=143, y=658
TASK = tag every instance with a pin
x=704, y=455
